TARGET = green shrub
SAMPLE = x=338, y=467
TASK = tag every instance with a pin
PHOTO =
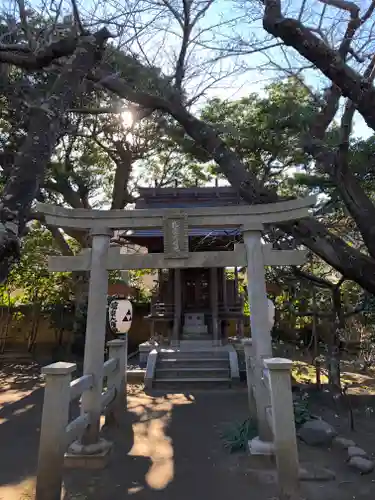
x=237, y=435
x=302, y=413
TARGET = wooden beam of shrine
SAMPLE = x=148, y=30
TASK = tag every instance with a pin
x=232, y=216
x=236, y=258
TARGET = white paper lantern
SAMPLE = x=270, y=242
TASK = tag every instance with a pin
x=120, y=313
x=271, y=313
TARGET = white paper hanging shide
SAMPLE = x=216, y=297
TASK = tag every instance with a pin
x=120, y=313
x=271, y=313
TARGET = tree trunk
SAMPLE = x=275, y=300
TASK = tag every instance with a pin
x=338, y=330
x=81, y=293
x=36, y=311
x=122, y=175
x=28, y=171
x=334, y=373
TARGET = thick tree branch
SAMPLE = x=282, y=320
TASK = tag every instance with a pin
x=63, y=187
x=28, y=171
x=335, y=163
x=97, y=111
x=181, y=61
x=34, y=61
x=317, y=280
x=60, y=240
x=343, y=5
x=122, y=176
x=308, y=232
x=294, y=34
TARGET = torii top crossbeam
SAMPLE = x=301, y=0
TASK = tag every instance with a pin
x=251, y=216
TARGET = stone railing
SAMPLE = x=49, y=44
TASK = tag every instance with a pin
x=162, y=310
x=276, y=377
x=57, y=433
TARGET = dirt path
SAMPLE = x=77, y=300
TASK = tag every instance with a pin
x=21, y=400
x=166, y=446
x=173, y=450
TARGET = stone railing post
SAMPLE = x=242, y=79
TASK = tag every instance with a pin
x=118, y=350
x=214, y=306
x=260, y=332
x=285, y=439
x=95, y=332
x=248, y=353
x=52, y=442
x=177, y=308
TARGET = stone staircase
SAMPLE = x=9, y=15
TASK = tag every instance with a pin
x=192, y=369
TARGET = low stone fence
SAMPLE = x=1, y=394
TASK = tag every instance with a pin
x=57, y=433
x=276, y=378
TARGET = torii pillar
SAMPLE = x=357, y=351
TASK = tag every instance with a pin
x=259, y=322
x=95, y=331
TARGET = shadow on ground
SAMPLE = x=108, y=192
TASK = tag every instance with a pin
x=21, y=399
x=18, y=377
x=168, y=446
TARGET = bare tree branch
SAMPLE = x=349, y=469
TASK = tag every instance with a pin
x=28, y=171
x=328, y=60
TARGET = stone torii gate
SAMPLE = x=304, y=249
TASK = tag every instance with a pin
x=251, y=219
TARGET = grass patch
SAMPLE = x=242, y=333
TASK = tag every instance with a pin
x=237, y=435
x=302, y=412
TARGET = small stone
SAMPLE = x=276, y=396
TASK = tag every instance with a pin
x=314, y=473
x=362, y=464
x=343, y=443
x=355, y=451
x=317, y=432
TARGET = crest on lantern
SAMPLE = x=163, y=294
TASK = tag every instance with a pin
x=120, y=313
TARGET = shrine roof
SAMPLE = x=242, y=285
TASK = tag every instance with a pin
x=175, y=197
x=188, y=197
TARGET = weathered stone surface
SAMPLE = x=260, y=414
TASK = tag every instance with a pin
x=314, y=473
x=77, y=448
x=97, y=461
x=259, y=447
x=362, y=464
x=342, y=442
x=92, y=456
x=355, y=451
x=317, y=432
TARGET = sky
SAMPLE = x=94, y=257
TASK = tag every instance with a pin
x=240, y=25
x=231, y=24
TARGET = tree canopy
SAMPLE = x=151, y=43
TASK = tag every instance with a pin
x=65, y=78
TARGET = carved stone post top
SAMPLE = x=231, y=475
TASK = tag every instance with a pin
x=247, y=341
x=101, y=231
x=116, y=343
x=278, y=364
x=59, y=368
x=252, y=226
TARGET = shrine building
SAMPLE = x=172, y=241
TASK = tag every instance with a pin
x=193, y=304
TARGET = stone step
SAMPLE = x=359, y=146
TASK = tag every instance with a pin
x=197, y=330
x=183, y=384
x=196, y=336
x=194, y=354
x=192, y=373
x=191, y=363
